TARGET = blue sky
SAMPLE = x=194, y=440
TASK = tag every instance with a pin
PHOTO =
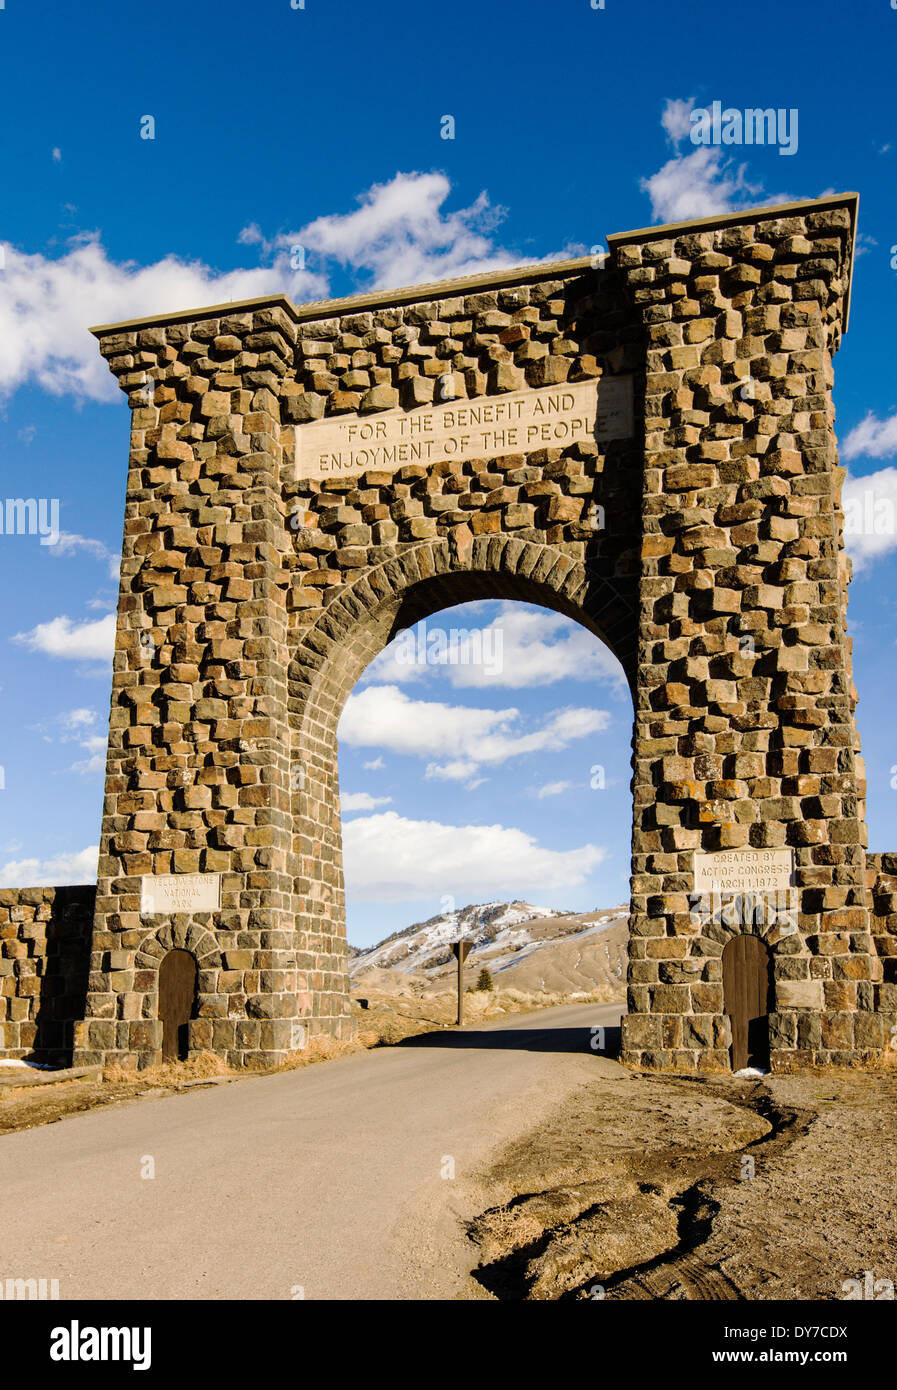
x=321, y=127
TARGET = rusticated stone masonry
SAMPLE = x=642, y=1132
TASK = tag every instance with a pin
x=45, y=940
x=704, y=547
x=745, y=731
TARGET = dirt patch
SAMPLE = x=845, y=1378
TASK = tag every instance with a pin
x=730, y=1188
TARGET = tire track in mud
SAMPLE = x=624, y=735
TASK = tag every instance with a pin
x=668, y=1199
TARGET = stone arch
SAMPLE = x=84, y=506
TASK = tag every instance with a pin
x=433, y=575
x=696, y=531
x=332, y=655
x=182, y=935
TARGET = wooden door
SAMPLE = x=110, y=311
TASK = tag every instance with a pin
x=177, y=990
x=746, y=972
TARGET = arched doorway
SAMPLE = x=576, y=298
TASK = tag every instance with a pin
x=746, y=982
x=177, y=992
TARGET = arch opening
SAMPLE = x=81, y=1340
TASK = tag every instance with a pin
x=326, y=671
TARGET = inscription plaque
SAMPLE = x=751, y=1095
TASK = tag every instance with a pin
x=170, y=893
x=483, y=428
x=743, y=871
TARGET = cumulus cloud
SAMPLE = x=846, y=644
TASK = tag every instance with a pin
x=870, y=516
x=47, y=306
x=703, y=183
x=389, y=858
x=61, y=871
x=522, y=647
x=455, y=739
x=676, y=119
x=60, y=637
x=872, y=437
x=700, y=184
x=400, y=234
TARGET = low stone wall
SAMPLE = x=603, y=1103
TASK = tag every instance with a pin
x=44, y=961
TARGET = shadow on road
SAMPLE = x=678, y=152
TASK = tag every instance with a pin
x=521, y=1040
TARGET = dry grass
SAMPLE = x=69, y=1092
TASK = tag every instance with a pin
x=197, y=1068
x=504, y=1229
x=324, y=1049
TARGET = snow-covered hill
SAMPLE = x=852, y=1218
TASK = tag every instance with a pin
x=424, y=945
x=523, y=946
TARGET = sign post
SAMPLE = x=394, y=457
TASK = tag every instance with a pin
x=461, y=950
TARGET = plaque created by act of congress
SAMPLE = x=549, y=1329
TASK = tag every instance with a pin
x=743, y=871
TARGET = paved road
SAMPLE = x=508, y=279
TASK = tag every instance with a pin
x=325, y=1179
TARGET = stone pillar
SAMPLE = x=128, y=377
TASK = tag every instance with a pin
x=198, y=772
x=744, y=732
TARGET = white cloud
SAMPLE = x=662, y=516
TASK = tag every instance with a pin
x=96, y=746
x=863, y=244
x=374, y=765
x=466, y=738
x=89, y=766
x=47, y=306
x=700, y=184
x=361, y=801
x=389, y=858
x=69, y=543
x=74, y=726
x=400, y=234
x=77, y=719
x=676, y=119
x=60, y=637
x=872, y=437
x=523, y=646
x=870, y=516
x=71, y=724
x=703, y=183
x=57, y=156
x=553, y=789
x=61, y=871
x=460, y=770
